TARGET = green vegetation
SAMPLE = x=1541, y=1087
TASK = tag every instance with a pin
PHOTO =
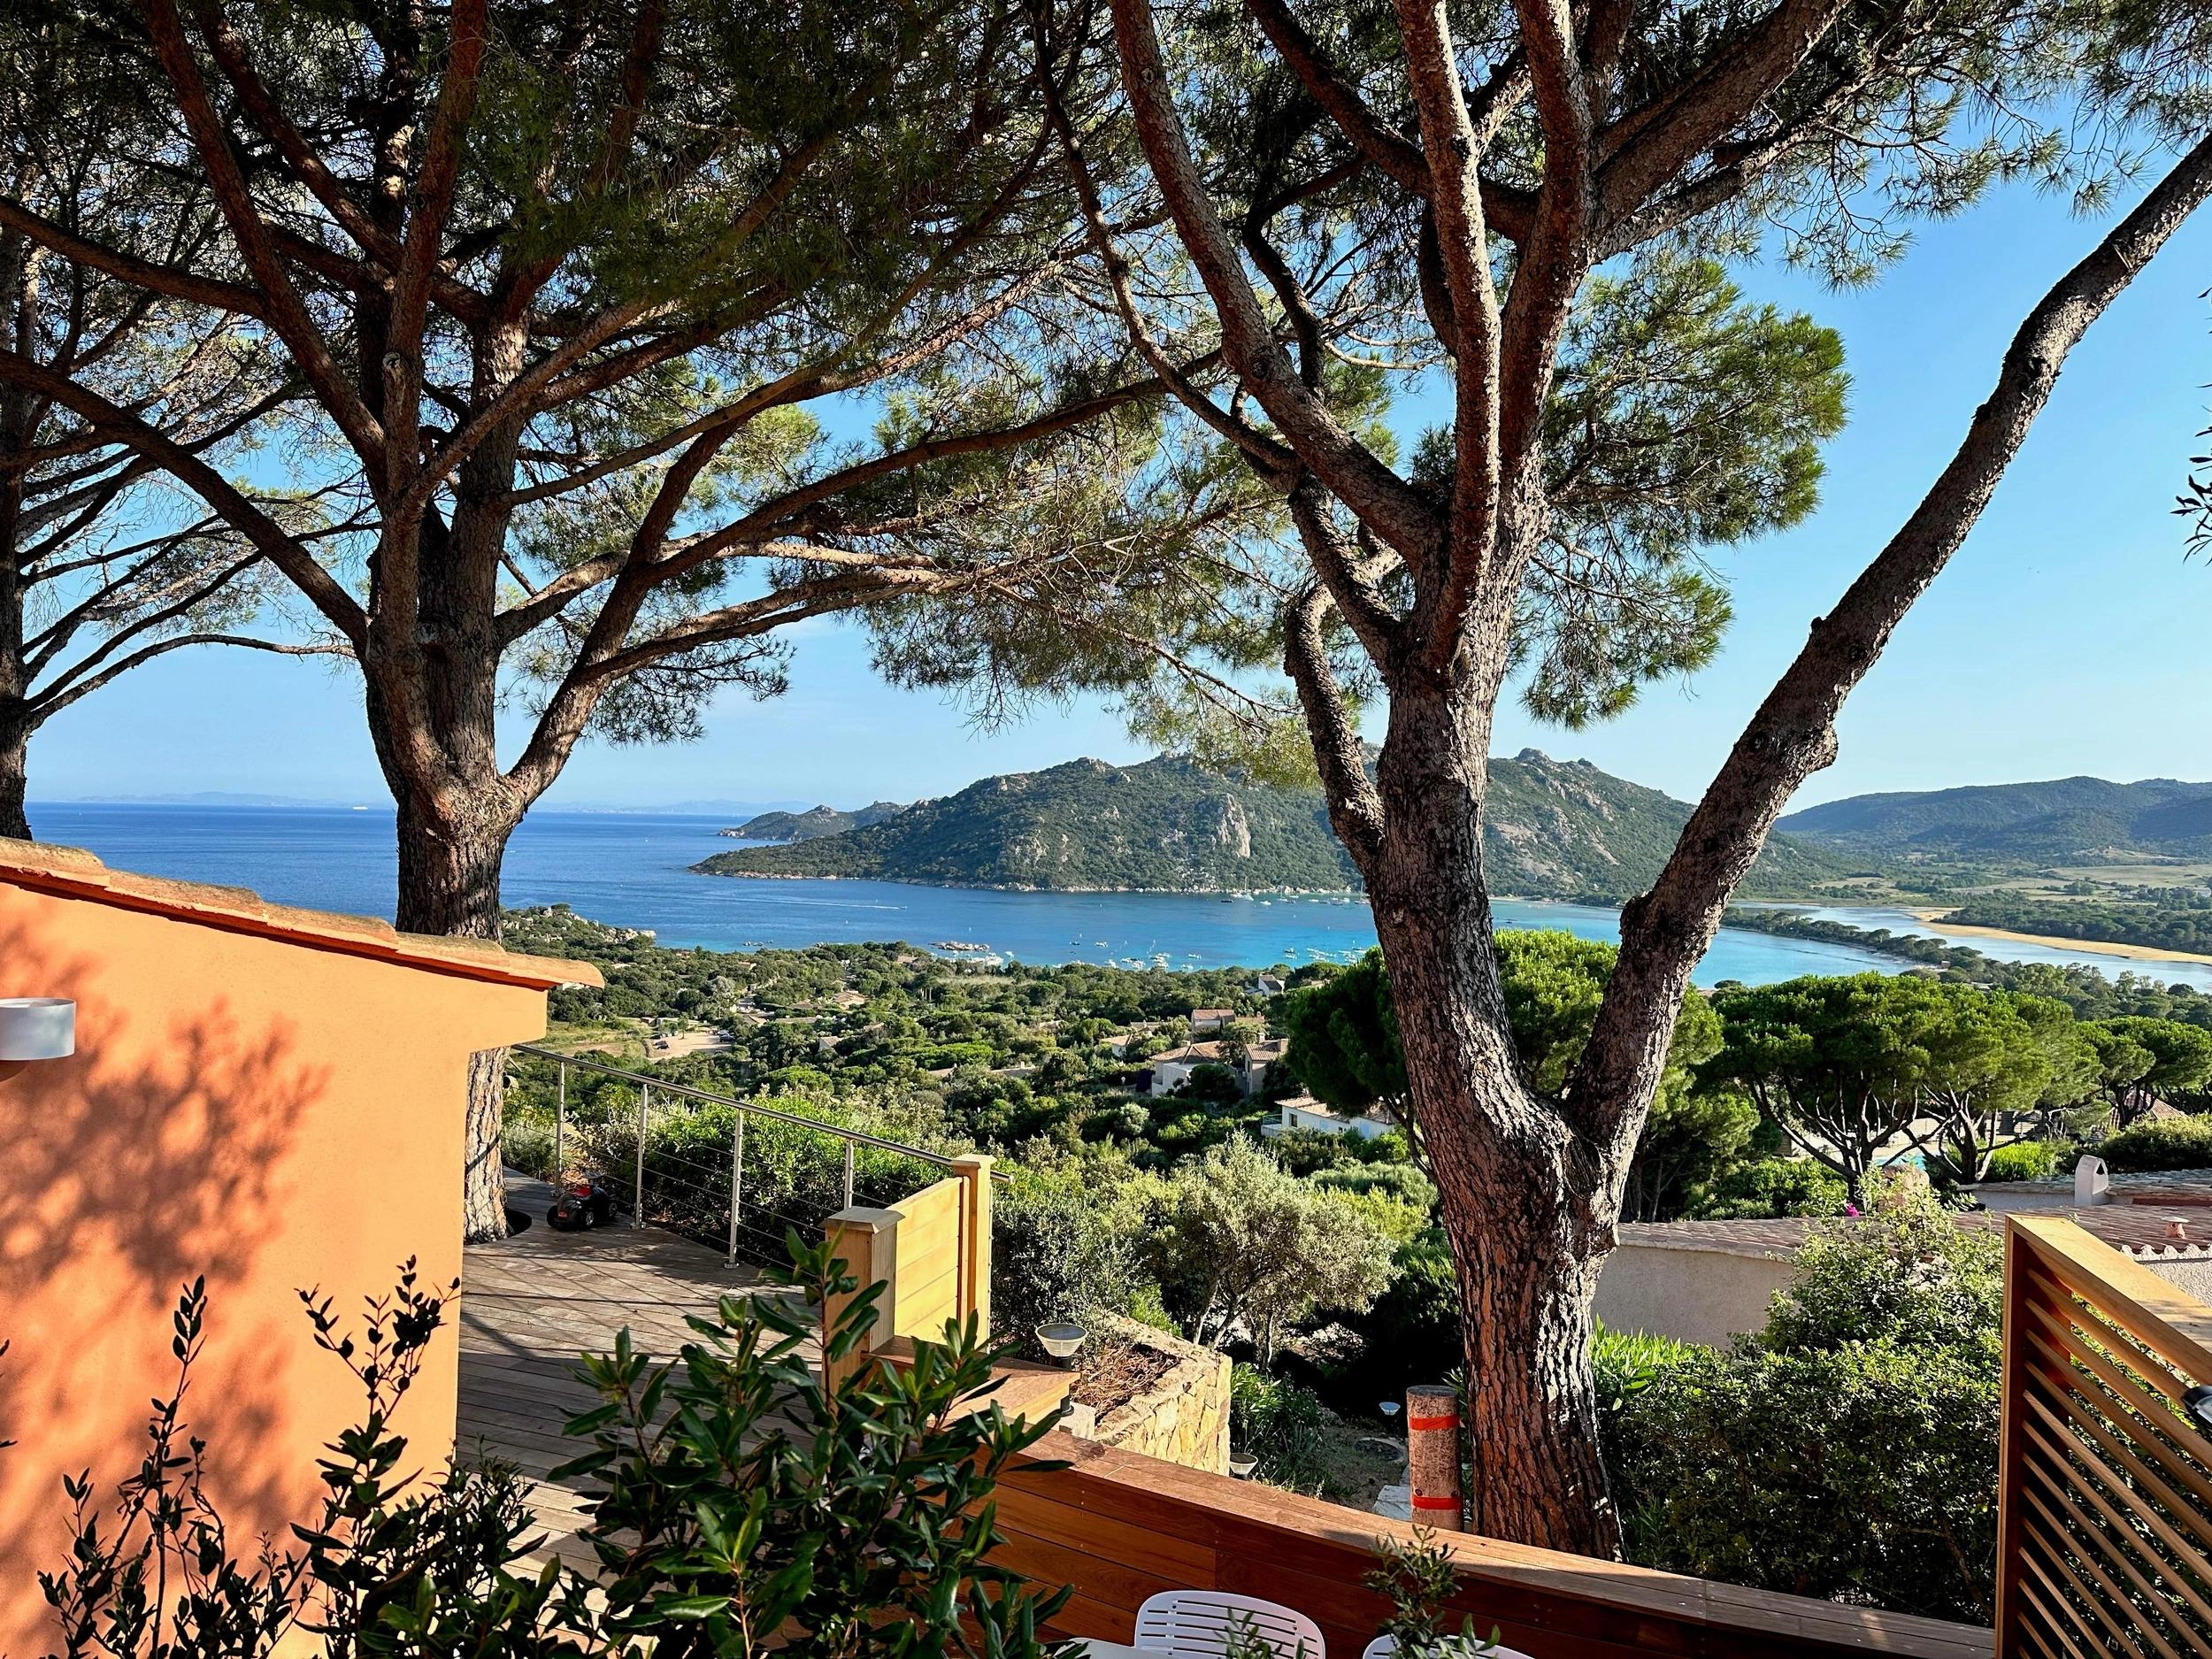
x=2140, y=1060
x=1556, y=829
x=2027, y=1161
x=1843, y=1066
x=2086, y=990
x=2179, y=919
x=2068, y=820
x=1849, y=1449
x=1249, y=1250
x=1345, y=1034
x=1761, y=1187
x=820, y=820
x=860, y=1529
x=1281, y=1426
x=2171, y=1144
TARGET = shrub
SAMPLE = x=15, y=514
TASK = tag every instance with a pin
x=860, y=1528
x=2026, y=1161
x=156, y=1579
x=1281, y=1426
x=1067, y=1242
x=2180, y=1143
x=1419, y=1579
x=1625, y=1363
x=1248, y=1248
x=737, y=1493
x=1402, y=1181
x=1849, y=1450
x=1770, y=1186
x=1866, y=1473
x=1311, y=1151
x=1904, y=1274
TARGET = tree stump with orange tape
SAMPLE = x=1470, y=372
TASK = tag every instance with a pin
x=1432, y=1457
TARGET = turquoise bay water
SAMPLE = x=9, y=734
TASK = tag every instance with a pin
x=631, y=869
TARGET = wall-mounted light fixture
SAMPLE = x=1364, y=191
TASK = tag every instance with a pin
x=37, y=1028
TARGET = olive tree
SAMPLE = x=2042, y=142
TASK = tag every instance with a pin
x=1251, y=1249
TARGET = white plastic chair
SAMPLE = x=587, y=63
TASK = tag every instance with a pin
x=1387, y=1647
x=1195, y=1625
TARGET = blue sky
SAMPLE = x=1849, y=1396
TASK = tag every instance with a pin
x=2067, y=636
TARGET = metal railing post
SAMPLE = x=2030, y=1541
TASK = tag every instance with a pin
x=644, y=1102
x=737, y=1187
x=849, y=1174
x=560, y=1124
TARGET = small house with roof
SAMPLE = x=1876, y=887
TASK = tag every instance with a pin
x=1303, y=1111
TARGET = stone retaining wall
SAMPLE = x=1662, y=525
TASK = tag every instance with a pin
x=1182, y=1419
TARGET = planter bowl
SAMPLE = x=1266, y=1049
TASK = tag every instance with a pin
x=1062, y=1340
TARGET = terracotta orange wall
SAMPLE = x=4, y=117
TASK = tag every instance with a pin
x=271, y=1115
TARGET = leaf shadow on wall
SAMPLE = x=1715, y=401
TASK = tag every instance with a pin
x=147, y=1160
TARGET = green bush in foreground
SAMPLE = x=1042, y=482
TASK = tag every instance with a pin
x=1849, y=1449
x=737, y=1507
x=2179, y=1143
x=1865, y=1474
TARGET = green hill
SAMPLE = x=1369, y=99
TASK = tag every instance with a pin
x=2063, y=821
x=1556, y=829
x=814, y=822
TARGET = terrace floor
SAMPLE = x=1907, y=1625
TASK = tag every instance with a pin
x=532, y=1304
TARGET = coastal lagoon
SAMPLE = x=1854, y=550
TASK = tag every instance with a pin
x=632, y=870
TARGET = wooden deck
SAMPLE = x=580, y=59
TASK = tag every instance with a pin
x=532, y=1304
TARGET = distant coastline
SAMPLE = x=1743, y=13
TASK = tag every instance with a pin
x=1934, y=917
x=1585, y=900
x=1227, y=894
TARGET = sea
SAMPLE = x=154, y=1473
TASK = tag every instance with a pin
x=632, y=869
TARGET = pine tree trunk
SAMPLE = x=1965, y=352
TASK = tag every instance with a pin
x=1529, y=1209
x=15, y=752
x=448, y=886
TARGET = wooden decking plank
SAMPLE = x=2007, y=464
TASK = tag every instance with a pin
x=531, y=1306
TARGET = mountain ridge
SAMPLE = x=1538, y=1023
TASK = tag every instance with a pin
x=1556, y=829
x=814, y=822
x=2058, y=820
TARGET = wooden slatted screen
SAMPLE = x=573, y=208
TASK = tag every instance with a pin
x=2105, y=1544
x=927, y=1290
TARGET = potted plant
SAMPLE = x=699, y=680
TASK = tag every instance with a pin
x=1418, y=1579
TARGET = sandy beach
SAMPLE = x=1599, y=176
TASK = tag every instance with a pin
x=2099, y=947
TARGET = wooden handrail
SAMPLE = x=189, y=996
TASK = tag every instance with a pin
x=2105, y=1480
x=1119, y=1526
